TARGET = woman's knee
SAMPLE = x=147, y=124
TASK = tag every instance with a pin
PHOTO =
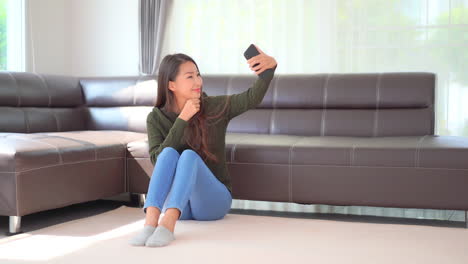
x=189, y=154
x=169, y=151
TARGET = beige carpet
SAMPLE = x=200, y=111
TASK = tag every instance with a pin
x=237, y=239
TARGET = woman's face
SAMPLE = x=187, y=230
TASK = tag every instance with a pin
x=188, y=82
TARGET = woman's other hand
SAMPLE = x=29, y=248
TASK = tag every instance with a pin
x=191, y=107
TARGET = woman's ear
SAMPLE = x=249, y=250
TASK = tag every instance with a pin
x=171, y=86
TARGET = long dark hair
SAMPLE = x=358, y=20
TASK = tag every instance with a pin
x=196, y=134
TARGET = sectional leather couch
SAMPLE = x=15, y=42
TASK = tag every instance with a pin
x=364, y=139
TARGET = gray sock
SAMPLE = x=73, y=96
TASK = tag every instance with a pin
x=161, y=237
x=140, y=238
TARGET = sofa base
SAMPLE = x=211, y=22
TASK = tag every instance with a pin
x=15, y=226
x=138, y=199
x=141, y=200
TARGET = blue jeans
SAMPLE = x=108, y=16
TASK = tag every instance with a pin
x=189, y=185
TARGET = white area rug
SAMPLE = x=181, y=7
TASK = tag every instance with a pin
x=237, y=239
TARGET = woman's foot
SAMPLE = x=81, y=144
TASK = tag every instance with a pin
x=151, y=222
x=141, y=238
x=160, y=238
x=164, y=233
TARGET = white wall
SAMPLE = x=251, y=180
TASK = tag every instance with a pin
x=45, y=36
x=82, y=38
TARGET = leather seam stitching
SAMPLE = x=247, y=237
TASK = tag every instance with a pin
x=46, y=87
x=324, y=103
x=376, y=119
x=275, y=92
x=56, y=120
x=26, y=120
x=272, y=120
x=290, y=168
x=418, y=147
x=42, y=142
x=232, y=152
x=18, y=93
x=346, y=166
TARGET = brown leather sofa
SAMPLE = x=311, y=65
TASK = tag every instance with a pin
x=362, y=139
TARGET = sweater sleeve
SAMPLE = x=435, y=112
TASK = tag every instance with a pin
x=249, y=99
x=156, y=140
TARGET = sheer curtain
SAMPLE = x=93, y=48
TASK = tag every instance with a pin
x=152, y=19
x=339, y=36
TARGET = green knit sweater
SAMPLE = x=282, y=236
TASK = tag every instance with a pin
x=166, y=129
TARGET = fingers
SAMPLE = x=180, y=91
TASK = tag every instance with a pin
x=193, y=101
x=260, y=70
x=255, y=58
x=256, y=68
x=253, y=68
x=262, y=64
x=260, y=61
x=196, y=103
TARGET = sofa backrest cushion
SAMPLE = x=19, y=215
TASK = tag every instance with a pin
x=349, y=104
x=119, y=103
x=32, y=102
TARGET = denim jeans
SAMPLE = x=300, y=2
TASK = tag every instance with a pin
x=183, y=181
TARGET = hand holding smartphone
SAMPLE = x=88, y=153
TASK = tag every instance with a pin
x=252, y=51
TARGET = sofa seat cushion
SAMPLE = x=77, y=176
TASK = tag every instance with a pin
x=22, y=152
x=259, y=148
x=140, y=149
x=429, y=151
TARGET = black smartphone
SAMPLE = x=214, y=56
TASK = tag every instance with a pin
x=252, y=51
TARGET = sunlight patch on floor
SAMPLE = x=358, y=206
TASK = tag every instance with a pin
x=45, y=247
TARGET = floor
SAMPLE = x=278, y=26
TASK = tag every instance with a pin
x=52, y=217
x=99, y=231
